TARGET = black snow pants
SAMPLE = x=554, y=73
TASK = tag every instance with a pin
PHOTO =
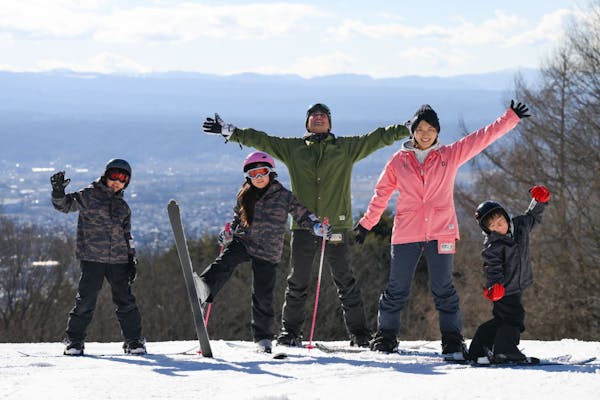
x=501, y=334
x=264, y=275
x=304, y=249
x=90, y=283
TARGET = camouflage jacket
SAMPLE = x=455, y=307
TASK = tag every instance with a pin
x=264, y=238
x=104, y=223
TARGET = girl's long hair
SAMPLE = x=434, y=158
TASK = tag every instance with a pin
x=247, y=198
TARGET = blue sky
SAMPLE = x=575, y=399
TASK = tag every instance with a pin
x=307, y=38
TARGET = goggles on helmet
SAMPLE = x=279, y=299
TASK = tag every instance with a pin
x=117, y=176
x=318, y=107
x=258, y=172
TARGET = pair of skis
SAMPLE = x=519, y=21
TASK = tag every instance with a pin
x=566, y=359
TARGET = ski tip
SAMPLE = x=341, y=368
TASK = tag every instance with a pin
x=172, y=202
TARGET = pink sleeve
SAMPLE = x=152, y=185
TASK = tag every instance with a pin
x=474, y=143
x=383, y=191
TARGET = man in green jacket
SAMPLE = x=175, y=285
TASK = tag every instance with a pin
x=320, y=167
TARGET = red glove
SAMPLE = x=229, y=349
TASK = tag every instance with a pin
x=541, y=194
x=494, y=293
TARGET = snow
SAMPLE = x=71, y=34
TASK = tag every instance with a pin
x=173, y=370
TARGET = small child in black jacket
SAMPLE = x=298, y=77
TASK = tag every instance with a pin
x=508, y=272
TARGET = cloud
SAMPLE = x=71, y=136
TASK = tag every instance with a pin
x=433, y=59
x=350, y=28
x=309, y=67
x=551, y=28
x=41, y=19
x=503, y=29
x=104, y=62
x=170, y=23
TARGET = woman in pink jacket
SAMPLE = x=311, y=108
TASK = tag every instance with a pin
x=425, y=223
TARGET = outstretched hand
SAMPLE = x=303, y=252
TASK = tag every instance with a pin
x=213, y=125
x=520, y=109
x=59, y=183
x=217, y=126
x=540, y=193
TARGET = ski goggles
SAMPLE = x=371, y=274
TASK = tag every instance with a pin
x=258, y=172
x=117, y=176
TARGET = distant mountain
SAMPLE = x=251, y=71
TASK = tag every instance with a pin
x=64, y=114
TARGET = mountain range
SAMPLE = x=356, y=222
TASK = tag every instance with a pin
x=71, y=116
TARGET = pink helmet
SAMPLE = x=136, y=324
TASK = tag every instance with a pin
x=258, y=157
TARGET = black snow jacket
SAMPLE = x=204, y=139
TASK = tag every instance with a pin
x=506, y=257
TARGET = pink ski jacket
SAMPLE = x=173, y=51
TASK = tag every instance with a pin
x=425, y=205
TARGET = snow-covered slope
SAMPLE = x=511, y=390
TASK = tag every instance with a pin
x=173, y=370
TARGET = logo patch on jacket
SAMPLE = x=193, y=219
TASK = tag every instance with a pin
x=446, y=247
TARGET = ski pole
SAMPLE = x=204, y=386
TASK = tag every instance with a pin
x=314, y=318
x=209, y=306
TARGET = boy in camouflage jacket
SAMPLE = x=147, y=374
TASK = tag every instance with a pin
x=105, y=249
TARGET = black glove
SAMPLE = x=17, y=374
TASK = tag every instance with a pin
x=361, y=233
x=59, y=183
x=520, y=109
x=131, y=268
x=218, y=127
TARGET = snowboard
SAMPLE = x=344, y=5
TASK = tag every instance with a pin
x=186, y=267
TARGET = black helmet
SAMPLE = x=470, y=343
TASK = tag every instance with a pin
x=120, y=164
x=485, y=209
x=117, y=163
x=318, y=107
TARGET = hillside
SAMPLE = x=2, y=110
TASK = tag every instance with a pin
x=237, y=372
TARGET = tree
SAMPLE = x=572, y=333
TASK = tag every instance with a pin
x=558, y=147
x=36, y=282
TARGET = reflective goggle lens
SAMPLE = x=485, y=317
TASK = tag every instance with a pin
x=258, y=172
x=118, y=176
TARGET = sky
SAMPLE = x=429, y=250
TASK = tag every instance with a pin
x=382, y=39
x=39, y=371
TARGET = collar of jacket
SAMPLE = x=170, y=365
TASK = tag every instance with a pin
x=420, y=155
x=493, y=236
x=318, y=137
x=98, y=184
x=409, y=146
x=273, y=186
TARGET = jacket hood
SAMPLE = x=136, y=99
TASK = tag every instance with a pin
x=408, y=145
x=317, y=137
x=493, y=236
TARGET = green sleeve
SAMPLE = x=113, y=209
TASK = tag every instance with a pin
x=278, y=147
x=361, y=146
